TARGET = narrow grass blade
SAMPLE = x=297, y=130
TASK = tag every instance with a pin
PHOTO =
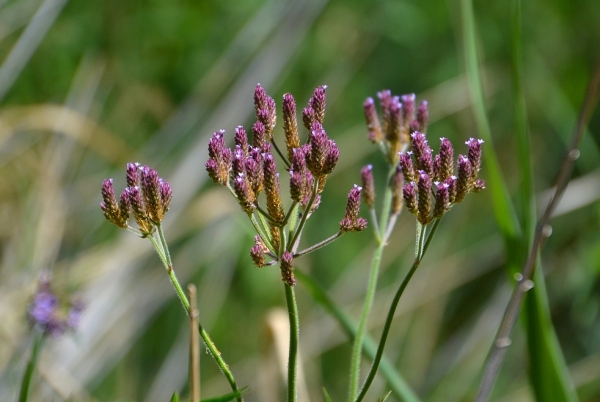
x=505, y=215
x=175, y=397
x=548, y=370
x=38, y=339
x=327, y=397
x=227, y=397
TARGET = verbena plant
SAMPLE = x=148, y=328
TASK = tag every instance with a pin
x=427, y=185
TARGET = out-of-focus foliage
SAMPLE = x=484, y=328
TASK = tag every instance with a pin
x=116, y=81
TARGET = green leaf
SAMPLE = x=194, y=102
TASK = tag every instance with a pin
x=385, y=397
x=548, y=371
x=227, y=397
x=175, y=397
x=327, y=397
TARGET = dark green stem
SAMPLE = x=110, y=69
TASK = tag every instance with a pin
x=290, y=297
x=390, y=316
x=38, y=339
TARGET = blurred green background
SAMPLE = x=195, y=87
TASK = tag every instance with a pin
x=86, y=86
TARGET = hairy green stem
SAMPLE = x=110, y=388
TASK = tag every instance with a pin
x=423, y=245
x=319, y=245
x=290, y=297
x=214, y=352
x=38, y=339
x=371, y=287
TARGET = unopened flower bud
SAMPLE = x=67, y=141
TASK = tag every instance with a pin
x=239, y=161
x=244, y=193
x=290, y=125
x=421, y=149
x=109, y=205
x=397, y=185
x=409, y=194
x=319, y=148
x=272, y=189
x=351, y=221
x=139, y=210
x=423, y=116
x=424, y=198
x=317, y=103
x=442, y=200
x=133, y=174
x=287, y=268
x=406, y=165
x=465, y=173
x=375, y=135
x=331, y=157
x=425, y=162
x=368, y=184
x=446, y=165
x=152, y=195
x=241, y=139
x=385, y=100
x=260, y=98
x=308, y=117
x=218, y=165
x=414, y=126
x=254, y=170
x=166, y=193
x=478, y=185
x=451, y=182
x=408, y=107
x=474, y=155
x=259, y=135
x=394, y=126
x=257, y=255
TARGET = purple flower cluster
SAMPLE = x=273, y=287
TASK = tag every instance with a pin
x=420, y=175
x=429, y=176
x=45, y=311
x=400, y=118
x=250, y=168
x=147, y=197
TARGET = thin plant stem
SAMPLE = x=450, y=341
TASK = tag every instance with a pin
x=371, y=287
x=319, y=245
x=290, y=297
x=214, y=352
x=261, y=232
x=401, y=389
x=293, y=240
x=194, y=346
x=38, y=340
x=392, y=311
x=289, y=213
x=376, y=232
x=502, y=340
x=266, y=215
x=281, y=155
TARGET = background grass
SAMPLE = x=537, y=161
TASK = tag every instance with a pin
x=116, y=81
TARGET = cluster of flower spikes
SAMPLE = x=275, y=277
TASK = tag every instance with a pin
x=429, y=176
x=45, y=310
x=146, y=196
x=250, y=169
